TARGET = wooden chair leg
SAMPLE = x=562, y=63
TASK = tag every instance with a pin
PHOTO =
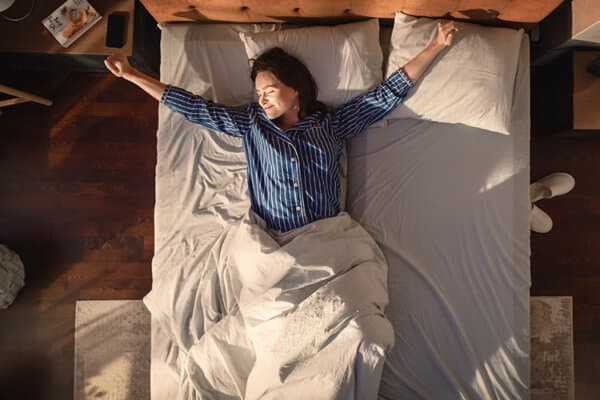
x=21, y=97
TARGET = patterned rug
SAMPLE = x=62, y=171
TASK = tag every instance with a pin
x=112, y=350
x=552, y=362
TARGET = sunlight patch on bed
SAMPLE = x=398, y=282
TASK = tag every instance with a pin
x=499, y=176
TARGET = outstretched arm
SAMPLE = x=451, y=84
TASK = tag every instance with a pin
x=119, y=66
x=351, y=118
x=415, y=67
x=233, y=121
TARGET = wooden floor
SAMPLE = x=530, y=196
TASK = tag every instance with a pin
x=76, y=202
x=566, y=261
x=77, y=198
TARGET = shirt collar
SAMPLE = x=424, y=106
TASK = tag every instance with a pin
x=308, y=121
x=298, y=127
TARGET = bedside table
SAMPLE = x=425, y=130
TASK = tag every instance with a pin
x=565, y=97
x=28, y=45
x=586, y=91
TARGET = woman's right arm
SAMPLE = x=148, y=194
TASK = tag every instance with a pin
x=233, y=121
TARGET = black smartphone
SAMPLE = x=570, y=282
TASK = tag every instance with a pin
x=115, y=29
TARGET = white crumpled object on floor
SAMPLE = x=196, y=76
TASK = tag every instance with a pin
x=12, y=276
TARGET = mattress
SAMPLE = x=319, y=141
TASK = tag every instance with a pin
x=447, y=204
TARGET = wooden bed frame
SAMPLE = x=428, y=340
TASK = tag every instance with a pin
x=491, y=11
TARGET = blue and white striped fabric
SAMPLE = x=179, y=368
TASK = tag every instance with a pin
x=293, y=175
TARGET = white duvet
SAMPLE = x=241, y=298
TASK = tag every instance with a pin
x=297, y=315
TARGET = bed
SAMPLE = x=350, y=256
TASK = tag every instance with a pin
x=447, y=203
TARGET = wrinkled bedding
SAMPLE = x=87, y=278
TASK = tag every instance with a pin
x=262, y=315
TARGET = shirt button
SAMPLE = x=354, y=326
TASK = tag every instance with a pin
x=295, y=184
x=293, y=159
x=298, y=208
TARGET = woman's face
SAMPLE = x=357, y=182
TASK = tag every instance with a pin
x=276, y=98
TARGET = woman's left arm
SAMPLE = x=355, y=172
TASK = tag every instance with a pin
x=352, y=118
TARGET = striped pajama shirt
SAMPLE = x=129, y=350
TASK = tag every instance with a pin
x=293, y=175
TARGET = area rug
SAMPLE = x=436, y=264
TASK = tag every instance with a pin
x=112, y=350
x=552, y=361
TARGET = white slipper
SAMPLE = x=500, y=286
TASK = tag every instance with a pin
x=539, y=221
x=552, y=185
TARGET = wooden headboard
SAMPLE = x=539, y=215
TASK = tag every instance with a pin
x=515, y=11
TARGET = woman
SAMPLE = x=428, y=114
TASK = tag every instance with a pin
x=292, y=143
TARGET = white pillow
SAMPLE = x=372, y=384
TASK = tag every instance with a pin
x=471, y=82
x=345, y=60
x=209, y=59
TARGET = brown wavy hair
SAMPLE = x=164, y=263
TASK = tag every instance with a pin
x=293, y=73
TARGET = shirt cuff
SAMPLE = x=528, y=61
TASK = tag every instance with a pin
x=405, y=78
x=165, y=96
x=399, y=83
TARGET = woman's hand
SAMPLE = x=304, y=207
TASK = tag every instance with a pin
x=415, y=67
x=118, y=65
x=445, y=34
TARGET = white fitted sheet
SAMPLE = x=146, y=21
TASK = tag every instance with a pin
x=448, y=205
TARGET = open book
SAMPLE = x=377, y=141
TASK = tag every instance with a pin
x=71, y=20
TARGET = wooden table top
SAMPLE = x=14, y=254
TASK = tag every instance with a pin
x=30, y=36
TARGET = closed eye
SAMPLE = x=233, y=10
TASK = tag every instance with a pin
x=267, y=93
x=258, y=94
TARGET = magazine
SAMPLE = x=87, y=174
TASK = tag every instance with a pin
x=71, y=20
